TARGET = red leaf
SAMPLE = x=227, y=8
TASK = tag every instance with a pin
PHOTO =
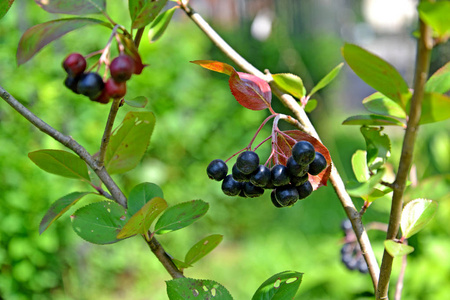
x=73, y=7
x=216, y=66
x=285, y=147
x=250, y=91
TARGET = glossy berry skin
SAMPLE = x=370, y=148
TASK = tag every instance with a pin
x=261, y=176
x=296, y=169
x=279, y=175
x=104, y=97
x=286, y=195
x=304, y=190
x=303, y=152
x=217, y=170
x=121, y=68
x=318, y=164
x=247, y=162
x=274, y=199
x=231, y=187
x=238, y=175
x=252, y=191
x=297, y=181
x=91, y=85
x=115, y=89
x=74, y=64
x=71, y=83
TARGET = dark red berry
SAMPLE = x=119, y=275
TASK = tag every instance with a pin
x=231, y=187
x=247, y=162
x=279, y=175
x=74, y=64
x=303, y=153
x=121, y=68
x=261, y=176
x=103, y=98
x=318, y=164
x=91, y=85
x=304, y=190
x=115, y=89
x=217, y=170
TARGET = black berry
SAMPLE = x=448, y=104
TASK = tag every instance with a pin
x=296, y=169
x=247, y=162
x=304, y=190
x=318, y=164
x=362, y=265
x=238, y=175
x=71, y=83
x=217, y=170
x=274, y=199
x=279, y=175
x=91, y=85
x=261, y=176
x=303, y=152
x=230, y=186
x=286, y=195
x=74, y=64
x=346, y=225
x=121, y=68
x=252, y=191
x=296, y=181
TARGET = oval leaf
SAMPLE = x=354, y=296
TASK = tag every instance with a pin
x=73, y=7
x=129, y=142
x=141, y=194
x=280, y=286
x=100, y=222
x=140, y=222
x=202, y=248
x=378, y=146
x=436, y=15
x=377, y=73
x=58, y=208
x=180, y=216
x=310, y=105
x=143, y=12
x=250, y=91
x=416, y=214
x=359, y=165
x=215, y=66
x=380, y=104
x=290, y=83
x=396, y=249
x=159, y=25
x=435, y=108
x=35, y=38
x=139, y=102
x=439, y=82
x=60, y=163
x=189, y=288
x=326, y=80
x=4, y=7
x=366, y=188
x=375, y=120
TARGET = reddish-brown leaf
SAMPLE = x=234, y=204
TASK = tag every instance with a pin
x=250, y=91
x=216, y=66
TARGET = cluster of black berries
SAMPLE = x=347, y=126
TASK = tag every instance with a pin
x=91, y=84
x=289, y=182
x=351, y=254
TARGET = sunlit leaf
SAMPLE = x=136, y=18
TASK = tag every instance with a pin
x=377, y=73
x=359, y=165
x=378, y=146
x=129, y=142
x=141, y=194
x=439, y=82
x=378, y=103
x=202, y=248
x=374, y=120
x=250, y=91
x=416, y=214
x=99, y=222
x=38, y=36
x=311, y=105
x=396, y=249
x=5, y=5
x=139, y=102
x=143, y=12
x=280, y=286
x=73, y=7
x=291, y=83
x=180, y=216
x=60, y=163
x=58, y=208
x=189, y=288
x=376, y=194
x=159, y=25
x=436, y=15
x=357, y=189
x=215, y=66
x=435, y=108
x=326, y=80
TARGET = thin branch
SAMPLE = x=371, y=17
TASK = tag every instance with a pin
x=301, y=116
x=138, y=36
x=425, y=45
x=401, y=279
x=107, y=132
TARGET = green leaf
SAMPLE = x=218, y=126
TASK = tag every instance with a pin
x=180, y=264
x=180, y=216
x=396, y=249
x=159, y=25
x=435, y=108
x=36, y=37
x=380, y=104
x=189, y=288
x=290, y=83
x=99, y=222
x=378, y=146
x=139, y=102
x=415, y=215
x=377, y=73
x=311, y=105
x=129, y=142
x=141, y=194
x=140, y=222
x=439, y=82
x=357, y=189
x=202, y=248
x=436, y=15
x=73, y=7
x=61, y=163
x=143, y=12
x=4, y=7
x=376, y=194
x=326, y=80
x=280, y=286
x=374, y=120
x=359, y=165
x=58, y=208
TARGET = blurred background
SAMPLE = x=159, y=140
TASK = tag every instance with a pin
x=198, y=120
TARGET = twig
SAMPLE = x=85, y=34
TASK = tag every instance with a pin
x=107, y=132
x=301, y=116
x=425, y=44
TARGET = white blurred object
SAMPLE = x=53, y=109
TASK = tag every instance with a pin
x=262, y=25
x=389, y=16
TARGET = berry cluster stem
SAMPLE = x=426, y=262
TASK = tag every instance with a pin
x=108, y=129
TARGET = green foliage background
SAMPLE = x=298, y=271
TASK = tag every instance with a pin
x=198, y=120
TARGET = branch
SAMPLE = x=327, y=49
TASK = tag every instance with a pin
x=107, y=132
x=425, y=44
x=301, y=116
